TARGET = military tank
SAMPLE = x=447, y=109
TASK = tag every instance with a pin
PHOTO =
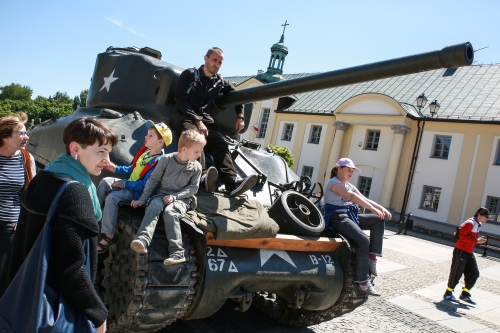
x=302, y=276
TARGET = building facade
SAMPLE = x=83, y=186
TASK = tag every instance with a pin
x=455, y=168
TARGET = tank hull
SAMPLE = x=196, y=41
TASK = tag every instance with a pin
x=232, y=272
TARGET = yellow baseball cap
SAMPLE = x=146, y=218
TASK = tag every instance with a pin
x=164, y=131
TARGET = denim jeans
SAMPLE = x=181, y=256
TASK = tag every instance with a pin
x=110, y=197
x=104, y=188
x=171, y=216
x=363, y=244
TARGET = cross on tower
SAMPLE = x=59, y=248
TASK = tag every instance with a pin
x=284, y=26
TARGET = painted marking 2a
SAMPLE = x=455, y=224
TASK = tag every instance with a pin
x=218, y=265
x=324, y=257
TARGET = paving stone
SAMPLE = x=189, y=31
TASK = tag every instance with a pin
x=462, y=325
x=492, y=316
x=413, y=247
x=492, y=272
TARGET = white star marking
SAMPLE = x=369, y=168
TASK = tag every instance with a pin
x=108, y=80
x=266, y=254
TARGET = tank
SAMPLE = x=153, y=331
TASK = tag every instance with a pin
x=302, y=276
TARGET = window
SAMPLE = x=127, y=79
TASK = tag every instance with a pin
x=307, y=171
x=442, y=147
x=497, y=158
x=493, y=205
x=364, y=185
x=263, y=123
x=287, y=132
x=430, y=198
x=315, y=134
x=372, y=137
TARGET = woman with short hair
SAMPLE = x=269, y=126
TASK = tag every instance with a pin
x=88, y=144
x=341, y=214
x=14, y=176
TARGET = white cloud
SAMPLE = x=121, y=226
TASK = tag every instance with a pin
x=120, y=24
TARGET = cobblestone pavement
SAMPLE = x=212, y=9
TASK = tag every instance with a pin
x=412, y=279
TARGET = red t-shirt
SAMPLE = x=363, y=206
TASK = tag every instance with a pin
x=469, y=233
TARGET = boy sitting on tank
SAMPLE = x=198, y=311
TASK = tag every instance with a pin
x=112, y=190
x=178, y=175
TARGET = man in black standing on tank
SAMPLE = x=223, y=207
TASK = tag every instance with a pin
x=195, y=93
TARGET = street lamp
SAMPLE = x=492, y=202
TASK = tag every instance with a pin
x=421, y=101
x=433, y=109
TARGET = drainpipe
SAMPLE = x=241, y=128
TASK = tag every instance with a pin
x=413, y=165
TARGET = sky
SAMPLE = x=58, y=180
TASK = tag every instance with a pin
x=52, y=45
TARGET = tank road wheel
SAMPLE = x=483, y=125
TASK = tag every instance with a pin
x=141, y=294
x=349, y=299
x=297, y=215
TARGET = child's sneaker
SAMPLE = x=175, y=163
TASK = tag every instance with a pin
x=449, y=296
x=173, y=259
x=368, y=289
x=467, y=299
x=138, y=246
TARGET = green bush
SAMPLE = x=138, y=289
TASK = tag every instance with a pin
x=285, y=153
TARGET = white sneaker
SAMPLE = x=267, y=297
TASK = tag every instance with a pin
x=173, y=259
x=368, y=289
x=138, y=246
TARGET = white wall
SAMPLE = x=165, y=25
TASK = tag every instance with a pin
x=284, y=143
x=255, y=121
x=372, y=107
x=492, y=187
x=310, y=154
x=436, y=172
x=373, y=163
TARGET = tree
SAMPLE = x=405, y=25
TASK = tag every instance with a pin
x=80, y=100
x=285, y=153
x=31, y=108
x=16, y=92
x=61, y=97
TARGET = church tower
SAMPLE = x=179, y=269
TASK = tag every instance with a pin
x=279, y=52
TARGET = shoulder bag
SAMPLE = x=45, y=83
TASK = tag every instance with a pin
x=30, y=303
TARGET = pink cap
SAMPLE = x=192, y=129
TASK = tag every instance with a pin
x=346, y=162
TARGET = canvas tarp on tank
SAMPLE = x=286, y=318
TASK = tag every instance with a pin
x=232, y=218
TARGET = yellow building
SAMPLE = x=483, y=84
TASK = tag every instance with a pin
x=455, y=168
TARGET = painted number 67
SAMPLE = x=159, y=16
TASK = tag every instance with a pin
x=214, y=266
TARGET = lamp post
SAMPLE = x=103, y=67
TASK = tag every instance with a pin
x=433, y=109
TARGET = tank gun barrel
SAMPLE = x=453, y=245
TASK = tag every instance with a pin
x=458, y=55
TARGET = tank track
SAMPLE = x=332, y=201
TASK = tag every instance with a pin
x=141, y=294
x=349, y=299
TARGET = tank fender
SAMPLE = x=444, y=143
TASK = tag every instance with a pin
x=311, y=280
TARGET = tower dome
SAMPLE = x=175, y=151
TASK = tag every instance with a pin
x=279, y=52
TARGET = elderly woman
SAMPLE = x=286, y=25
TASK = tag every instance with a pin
x=17, y=167
x=341, y=215
x=88, y=144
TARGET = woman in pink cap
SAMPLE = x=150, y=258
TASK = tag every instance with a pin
x=341, y=214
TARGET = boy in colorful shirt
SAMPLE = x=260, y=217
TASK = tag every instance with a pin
x=464, y=261
x=178, y=175
x=113, y=190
